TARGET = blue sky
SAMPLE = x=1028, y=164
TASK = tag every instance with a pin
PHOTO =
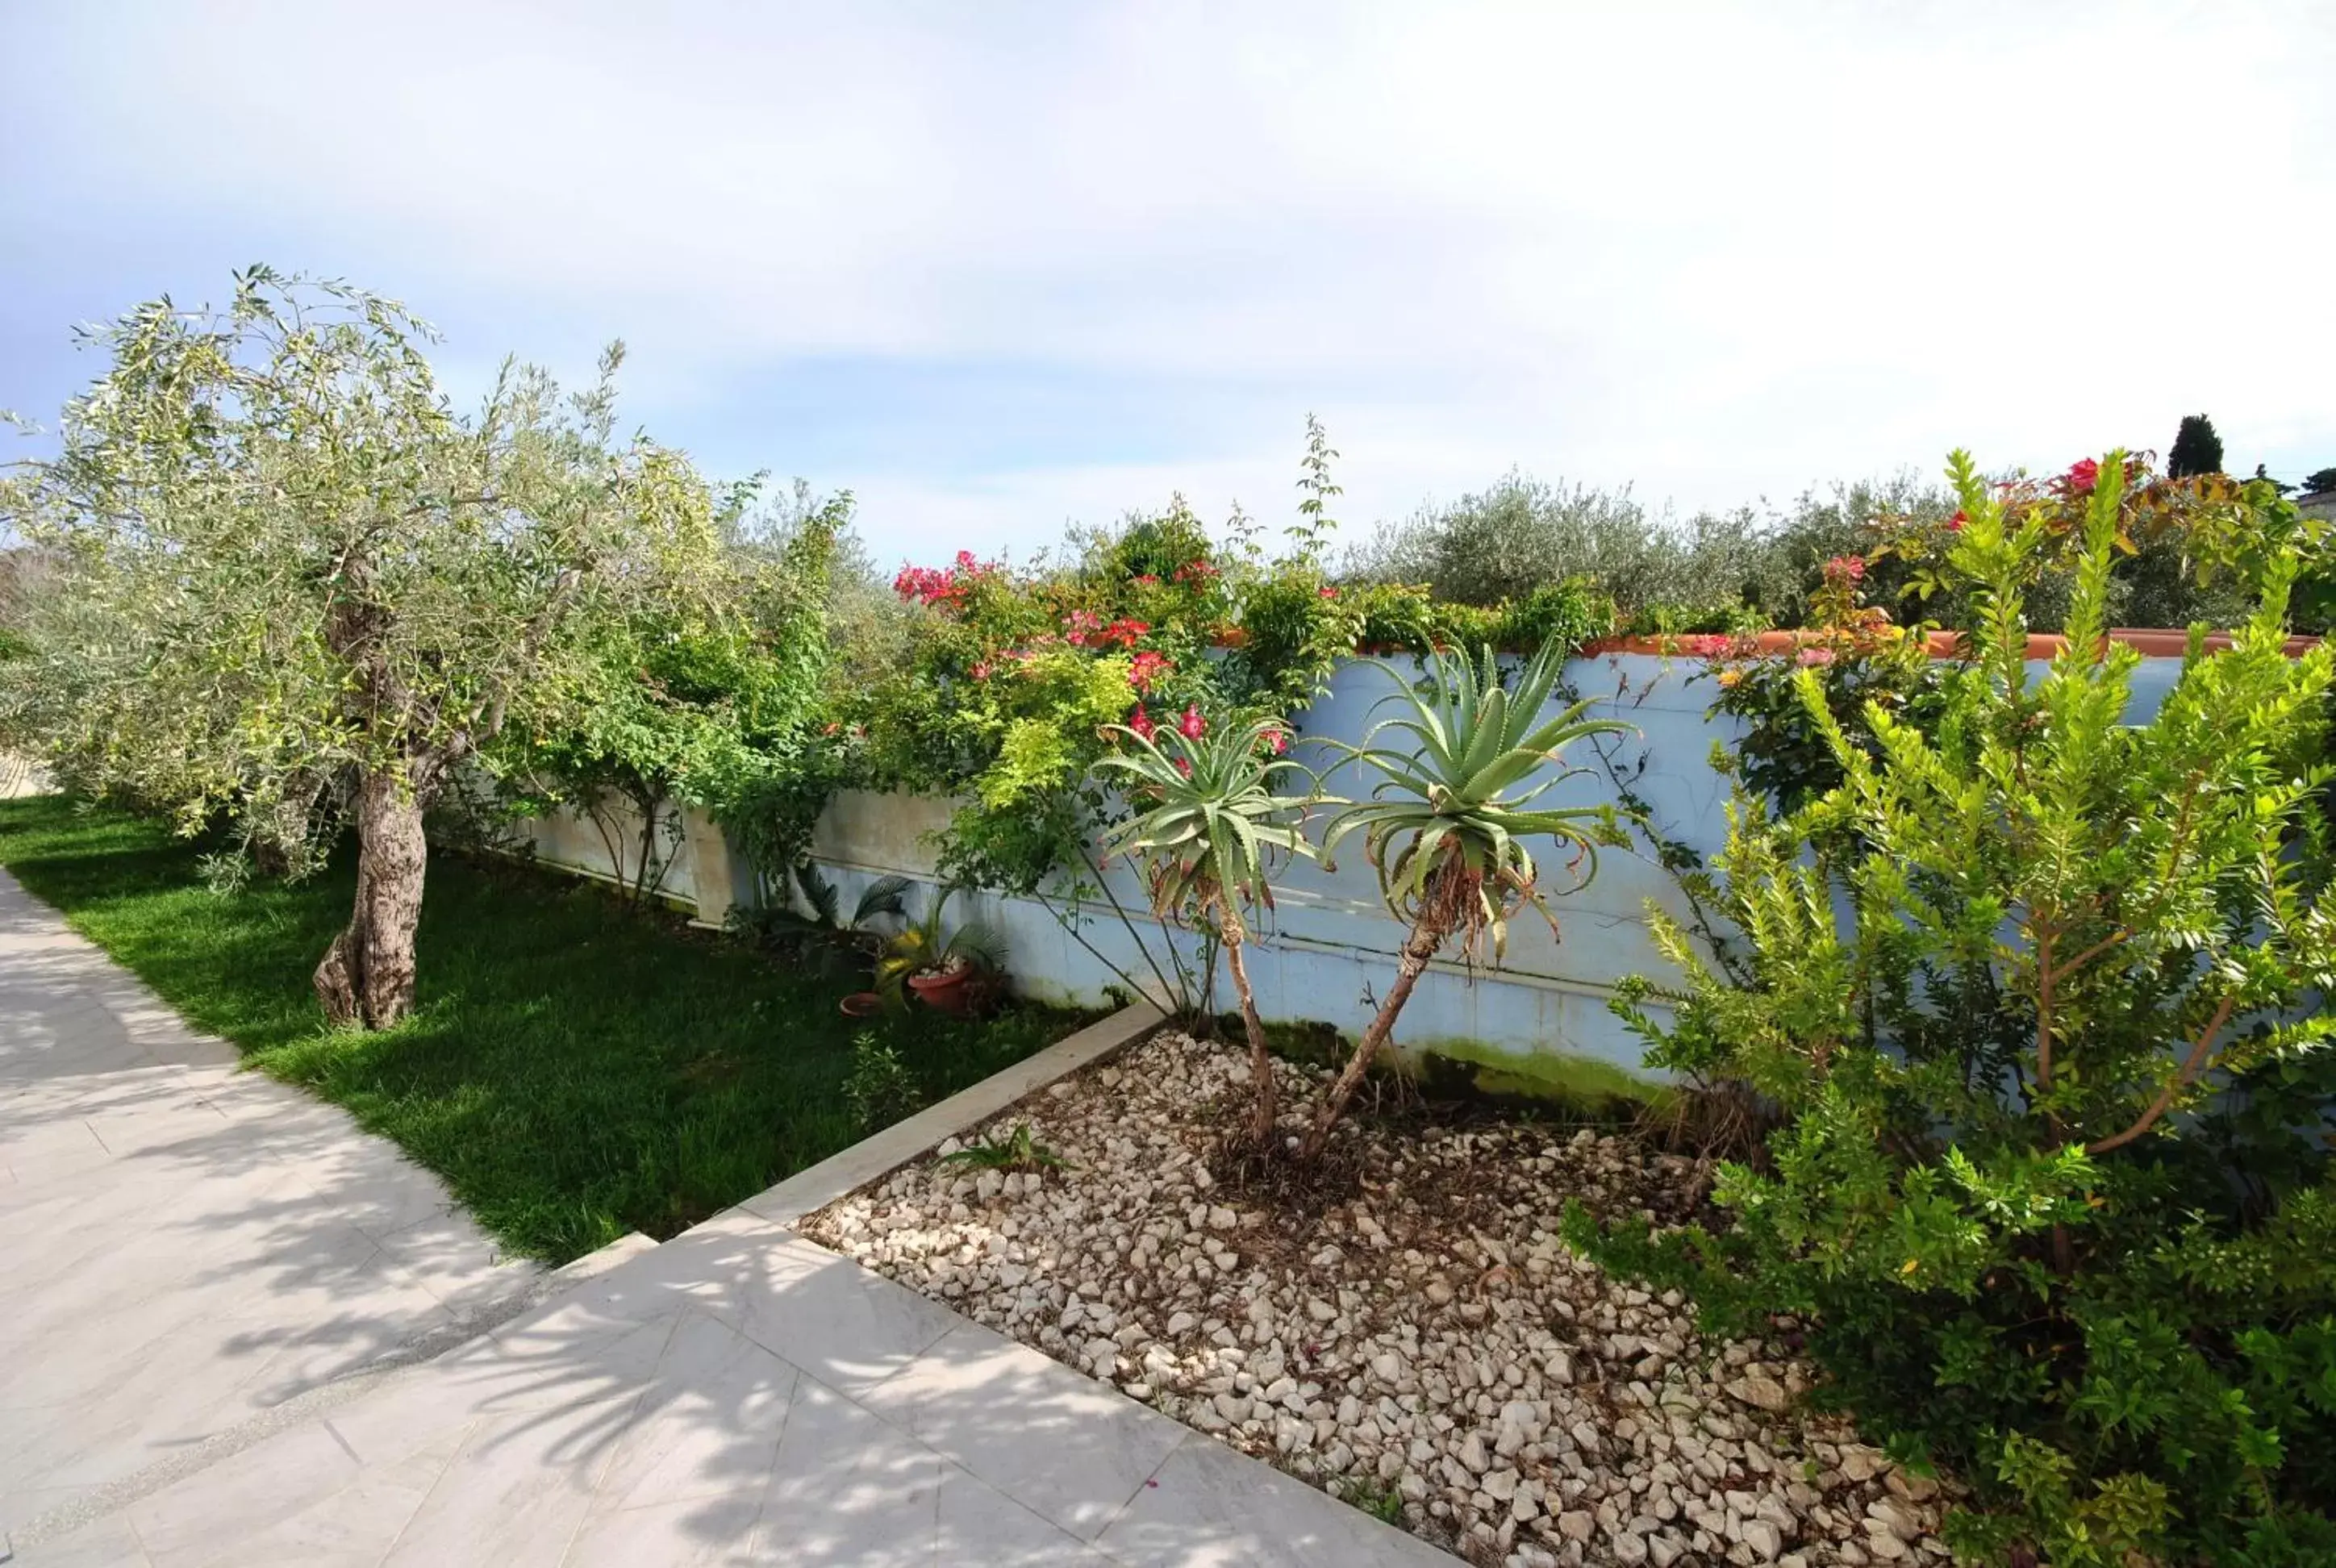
x=999, y=267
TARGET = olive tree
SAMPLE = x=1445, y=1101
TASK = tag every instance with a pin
x=292, y=579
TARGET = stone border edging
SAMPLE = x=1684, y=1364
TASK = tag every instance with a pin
x=872, y=1158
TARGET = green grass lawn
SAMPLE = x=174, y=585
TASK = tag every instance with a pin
x=574, y=1069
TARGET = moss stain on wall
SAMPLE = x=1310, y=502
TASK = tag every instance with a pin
x=1474, y=1069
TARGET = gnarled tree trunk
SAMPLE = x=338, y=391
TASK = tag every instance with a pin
x=367, y=976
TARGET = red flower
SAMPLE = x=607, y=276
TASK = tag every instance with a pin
x=1191, y=726
x=1276, y=741
x=2083, y=474
x=1846, y=569
x=983, y=671
x=1147, y=580
x=1184, y=766
x=1327, y=591
x=1955, y=523
x=942, y=587
x=1704, y=646
x=1817, y=656
x=1141, y=722
x=1148, y=668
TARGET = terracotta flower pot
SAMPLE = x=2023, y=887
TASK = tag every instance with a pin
x=862, y=1004
x=956, y=992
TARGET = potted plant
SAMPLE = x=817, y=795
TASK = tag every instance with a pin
x=955, y=973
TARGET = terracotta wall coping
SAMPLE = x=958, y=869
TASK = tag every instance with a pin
x=2152, y=642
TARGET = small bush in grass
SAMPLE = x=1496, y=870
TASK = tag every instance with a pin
x=881, y=1089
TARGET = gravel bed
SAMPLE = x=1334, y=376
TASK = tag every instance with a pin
x=1427, y=1347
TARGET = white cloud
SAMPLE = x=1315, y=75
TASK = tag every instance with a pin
x=1718, y=251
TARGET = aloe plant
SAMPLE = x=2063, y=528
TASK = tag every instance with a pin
x=1207, y=825
x=1446, y=823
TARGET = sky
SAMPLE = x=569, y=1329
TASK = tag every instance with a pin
x=1000, y=268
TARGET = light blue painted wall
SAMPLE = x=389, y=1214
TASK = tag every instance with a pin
x=1330, y=949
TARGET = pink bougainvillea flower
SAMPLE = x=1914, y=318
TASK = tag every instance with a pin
x=1955, y=523
x=1817, y=656
x=940, y=586
x=1706, y=645
x=1191, y=726
x=1140, y=723
x=1147, y=669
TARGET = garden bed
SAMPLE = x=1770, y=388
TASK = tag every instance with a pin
x=1412, y=1335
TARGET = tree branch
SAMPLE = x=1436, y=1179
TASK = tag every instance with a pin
x=2190, y=1068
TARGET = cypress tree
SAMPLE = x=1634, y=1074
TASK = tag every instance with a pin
x=2197, y=449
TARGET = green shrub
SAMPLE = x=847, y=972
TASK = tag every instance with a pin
x=880, y=1088
x=2039, y=995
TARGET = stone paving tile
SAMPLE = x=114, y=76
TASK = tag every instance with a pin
x=244, y=1495
x=848, y=1488
x=709, y=1429
x=978, y=1527
x=516, y=1489
x=1067, y=1447
x=846, y=1327
x=353, y=1527
x=1211, y=1507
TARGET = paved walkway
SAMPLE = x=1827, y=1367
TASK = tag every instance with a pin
x=733, y=1396
x=184, y=1248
